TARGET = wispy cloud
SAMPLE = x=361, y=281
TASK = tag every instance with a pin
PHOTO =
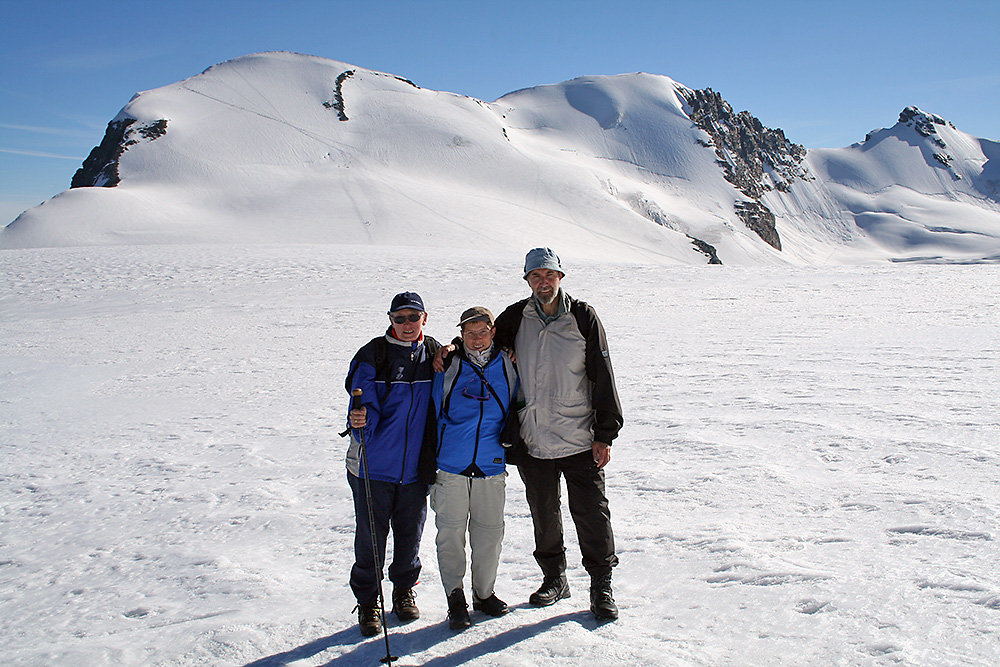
x=13, y=151
x=41, y=130
x=99, y=59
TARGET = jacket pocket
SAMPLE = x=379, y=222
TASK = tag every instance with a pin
x=573, y=420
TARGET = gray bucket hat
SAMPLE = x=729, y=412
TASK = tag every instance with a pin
x=542, y=258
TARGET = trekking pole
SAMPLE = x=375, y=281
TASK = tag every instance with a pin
x=356, y=405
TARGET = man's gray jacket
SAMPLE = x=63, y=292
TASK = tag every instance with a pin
x=570, y=398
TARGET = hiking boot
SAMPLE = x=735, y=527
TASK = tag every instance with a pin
x=458, y=610
x=492, y=606
x=551, y=591
x=369, y=619
x=602, y=602
x=404, y=605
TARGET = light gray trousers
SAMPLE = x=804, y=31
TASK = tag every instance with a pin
x=463, y=503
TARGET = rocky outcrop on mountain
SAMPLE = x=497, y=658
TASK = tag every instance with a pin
x=707, y=249
x=337, y=103
x=925, y=124
x=100, y=169
x=756, y=159
x=760, y=219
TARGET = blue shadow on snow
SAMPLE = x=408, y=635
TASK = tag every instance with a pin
x=370, y=651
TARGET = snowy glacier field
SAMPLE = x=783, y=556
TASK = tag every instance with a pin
x=809, y=472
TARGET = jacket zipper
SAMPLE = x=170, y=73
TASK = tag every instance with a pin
x=409, y=414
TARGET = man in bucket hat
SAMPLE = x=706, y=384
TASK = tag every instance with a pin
x=570, y=417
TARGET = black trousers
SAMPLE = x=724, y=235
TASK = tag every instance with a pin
x=588, y=506
x=401, y=508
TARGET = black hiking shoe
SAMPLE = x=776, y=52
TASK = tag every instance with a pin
x=551, y=591
x=458, y=610
x=404, y=605
x=492, y=606
x=369, y=619
x=602, y=602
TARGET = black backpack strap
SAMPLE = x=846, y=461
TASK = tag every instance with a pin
x=508, y=323
x=427, y=463
x=382, y=359
x=432, y=346
x=579, y=310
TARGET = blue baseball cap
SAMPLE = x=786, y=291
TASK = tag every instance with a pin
x=407, y=300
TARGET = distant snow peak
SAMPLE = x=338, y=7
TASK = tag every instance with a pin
x=756, y=159
x=100, y=169
x=923, y=123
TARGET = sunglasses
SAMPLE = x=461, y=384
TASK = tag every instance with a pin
x=469, y=392
x=399, y=319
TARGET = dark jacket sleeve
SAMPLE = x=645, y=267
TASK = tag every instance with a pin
x=427, y=463
x=507, y=324
x=607, y=408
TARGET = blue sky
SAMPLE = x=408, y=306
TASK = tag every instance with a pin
x=824, y=72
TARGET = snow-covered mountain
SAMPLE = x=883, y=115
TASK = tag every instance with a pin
x=281, y=147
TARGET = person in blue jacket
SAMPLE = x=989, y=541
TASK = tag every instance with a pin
x=473, y=398
x=397, y=418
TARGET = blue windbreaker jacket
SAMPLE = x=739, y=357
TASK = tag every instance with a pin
x=472, y=406
x=399, y=406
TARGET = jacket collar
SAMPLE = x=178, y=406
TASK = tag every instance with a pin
x=563, y=300
x=390, y=335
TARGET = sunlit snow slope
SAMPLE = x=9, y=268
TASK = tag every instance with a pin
x=281, y=147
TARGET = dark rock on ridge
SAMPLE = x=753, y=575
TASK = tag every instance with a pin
x=338, y=95
x=337, y=103
x=100, y=169
x=760, y=219
x=922, y=122
x=926, y=124
x=707, y=249
x=756, y=159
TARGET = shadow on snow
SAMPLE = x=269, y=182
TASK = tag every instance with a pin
x=372, y=650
